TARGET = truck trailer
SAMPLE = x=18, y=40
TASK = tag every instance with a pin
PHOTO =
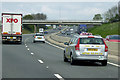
x=11, y=28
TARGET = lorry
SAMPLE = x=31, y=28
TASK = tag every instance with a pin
x=82, y=28
x=11, y=28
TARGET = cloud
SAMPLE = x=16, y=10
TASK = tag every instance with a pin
x=89, y=11
x=50, y=11
x=60, y=0
x=46, y=9
x=71, y=11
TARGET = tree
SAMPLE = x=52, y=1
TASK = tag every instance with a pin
x=119, y=9
x=97, y=17
x=117, y=17
x=113, y=14
x=38, y=16
x=28, y=17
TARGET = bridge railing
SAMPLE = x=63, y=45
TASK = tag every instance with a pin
x=92, y=21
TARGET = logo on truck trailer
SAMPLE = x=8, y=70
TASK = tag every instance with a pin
x=10, y=20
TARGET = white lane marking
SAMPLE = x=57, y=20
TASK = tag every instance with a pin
x=54, y=45
x=58, y=76
x=64, y=49
x=28, y=49
x=113, y=64
x=26, y=46
x=47, y=67
x=32, y=53
x=40, y=61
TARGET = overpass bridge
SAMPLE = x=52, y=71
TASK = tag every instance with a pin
x=60, y=22
x=57, y=22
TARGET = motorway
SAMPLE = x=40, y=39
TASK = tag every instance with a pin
x=43, y=61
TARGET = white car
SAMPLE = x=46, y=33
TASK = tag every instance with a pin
x=86, y=47
x=39, y=37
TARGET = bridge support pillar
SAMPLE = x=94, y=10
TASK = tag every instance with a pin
x=34, y=28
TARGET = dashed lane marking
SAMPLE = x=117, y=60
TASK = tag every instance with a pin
x=40, y=61
x=63, y=49
x=58, y=76
x=32, y=53
x=28, y=49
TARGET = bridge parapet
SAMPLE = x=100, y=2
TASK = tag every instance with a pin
x=62, y=22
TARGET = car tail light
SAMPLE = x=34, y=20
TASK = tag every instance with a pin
x=34, y=36
x=5, y=32
x=3, y=37
x=106, y=47
x=18, y=33
x=77, y=47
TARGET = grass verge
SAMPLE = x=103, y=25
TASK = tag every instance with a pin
x=106, y=29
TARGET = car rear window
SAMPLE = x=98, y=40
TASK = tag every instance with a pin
x=39, y=35
x=91, y=41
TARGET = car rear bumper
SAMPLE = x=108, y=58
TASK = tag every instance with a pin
x=11, y=40
x=79, y=56
x=39, y=39
x=90, y=58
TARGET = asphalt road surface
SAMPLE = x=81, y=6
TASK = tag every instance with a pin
x=43, y=61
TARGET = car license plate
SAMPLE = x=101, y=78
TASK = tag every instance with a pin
x=92, y=53
x=39, y=38
x=11, y=37
x=92, y=49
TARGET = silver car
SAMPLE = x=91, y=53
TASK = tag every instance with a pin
x=39, y=37
x=86, y=47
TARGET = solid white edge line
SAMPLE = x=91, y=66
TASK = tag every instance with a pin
x=40, y=61
x=63, y=49
x=58, y=76
x=113, y=64
x=55, y=45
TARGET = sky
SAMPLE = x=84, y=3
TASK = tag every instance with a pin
x=76, y=10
